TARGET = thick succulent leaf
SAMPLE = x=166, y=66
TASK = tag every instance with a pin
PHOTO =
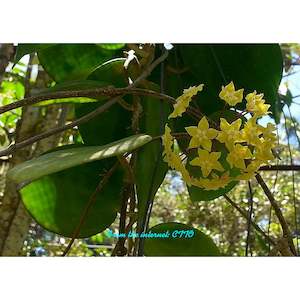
x=252, y=67
x=57, y=201
x=73, y=61
x=112, y=72
x=199, y=194
x=193, y=242
x=114, y=123
x=63, y=159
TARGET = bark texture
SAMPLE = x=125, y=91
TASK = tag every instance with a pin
x=14, y=219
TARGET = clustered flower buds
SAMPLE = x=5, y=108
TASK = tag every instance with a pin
x=245, y=145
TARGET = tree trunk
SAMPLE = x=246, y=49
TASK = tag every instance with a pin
x=17, y=221
x=14, y=219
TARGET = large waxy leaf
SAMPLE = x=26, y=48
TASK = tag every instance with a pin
x=112, y=72
x=63, y=159
x=114, y=123
x=23, y=49
x=198, y=194
x=253, y=67
x=150, y=169
x=57, y=201
x=198, y=244
x=73, y=61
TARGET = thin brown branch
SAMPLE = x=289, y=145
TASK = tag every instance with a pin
x=120, y=249
x=149, y=70
x=88, y=206
x=250, y=213
x=56, y=130
x=245, y=215
x=280, y=168
x=88, y=93
x=285, y=228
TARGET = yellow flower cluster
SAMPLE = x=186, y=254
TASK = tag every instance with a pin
x=184, y=100
x=246, y=145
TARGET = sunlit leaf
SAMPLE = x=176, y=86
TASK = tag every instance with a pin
x=63, y=159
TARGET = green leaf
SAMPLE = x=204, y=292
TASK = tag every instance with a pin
x=199, y=194
x=112, y=72
x=113, y=124
x=15, y=91
x=57, y=201
x=115, y=46
x=73, y=61
x=287, y=99
x=63, y=159
x=23, y=49
x=150, y=169
x=252, y=67
x=199, y=244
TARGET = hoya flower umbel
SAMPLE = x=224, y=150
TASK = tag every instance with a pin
x=201, y=135
x=246, y=144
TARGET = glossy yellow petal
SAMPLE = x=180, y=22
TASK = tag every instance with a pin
x=203, y=124
x=230, y=95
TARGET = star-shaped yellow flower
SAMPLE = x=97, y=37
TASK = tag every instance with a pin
x=230, y=133
x=263, y=151
x=230, y=95
x=250, y=170
x=251, y=132
x=207, y=162
x=201, y=135
x=256, y=104
x=184, y=100
x=237, y=155
x=268, y=133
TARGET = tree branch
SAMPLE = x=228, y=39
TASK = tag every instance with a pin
x=245, y=215
x=89, y=205
x=280, y=168
x=88, y=93
x=56, y=130
x=285, y=228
